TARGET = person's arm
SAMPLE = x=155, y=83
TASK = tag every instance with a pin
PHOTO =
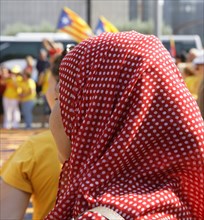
x=48, y=44
x=16, y=183
x=13, y=202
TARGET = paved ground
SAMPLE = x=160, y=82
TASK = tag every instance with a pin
x=10, y=141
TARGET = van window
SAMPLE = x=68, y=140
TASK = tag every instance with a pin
x=20, y=47
x=183, y=43
x=180, y=46
x=13, y=50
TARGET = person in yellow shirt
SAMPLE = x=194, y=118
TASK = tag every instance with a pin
x=43, y=82
x=27, y=98
x=11, y=108
x=193, y=82
x=33, y=170
x=199, y=63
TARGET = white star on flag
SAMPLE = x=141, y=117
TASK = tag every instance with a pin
x=65, y=20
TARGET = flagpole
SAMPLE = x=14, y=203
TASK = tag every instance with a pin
x=158, y=17
x=88, y=12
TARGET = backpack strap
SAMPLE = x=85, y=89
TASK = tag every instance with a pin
x=107, y=212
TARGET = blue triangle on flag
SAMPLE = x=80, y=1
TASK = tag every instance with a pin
x=99, y=28
x=64, y=20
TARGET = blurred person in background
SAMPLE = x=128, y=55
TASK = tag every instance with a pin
x=41, y=65
x=199, y=63
x=191, y=55
x=54, y=50
x=55, y=75
x=27, y=96
x=193, y=82
x=4, y=73
x=12, y=115
x=186, y=67
x=29, y=65
x=33, y=170
x=201, y=98
x=186, y=70
x=180, y=58
x=43, y=83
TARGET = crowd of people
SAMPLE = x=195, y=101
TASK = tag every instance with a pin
x=20, y=90
x=18, y=94
x=191, y=66
x=128, y=131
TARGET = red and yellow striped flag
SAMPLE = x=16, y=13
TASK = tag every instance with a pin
x=74, y=25
x=172, y=48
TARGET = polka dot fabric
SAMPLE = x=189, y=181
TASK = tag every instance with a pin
x=137, y=135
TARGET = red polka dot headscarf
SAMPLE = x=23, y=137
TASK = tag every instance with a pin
x=137, y=135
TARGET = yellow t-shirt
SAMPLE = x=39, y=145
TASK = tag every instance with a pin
x=25, y=87
x=45, y=81
x=12, y=88
x=193, y=83
x=34, y=168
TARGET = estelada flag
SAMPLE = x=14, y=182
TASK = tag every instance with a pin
x=104, y=25
x=72, y=24
x=172, y=47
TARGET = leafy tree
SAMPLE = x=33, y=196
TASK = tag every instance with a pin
x=20, y=27
x=145, y=27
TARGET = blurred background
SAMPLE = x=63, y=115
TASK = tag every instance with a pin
x=176, y=16
x=25, y=24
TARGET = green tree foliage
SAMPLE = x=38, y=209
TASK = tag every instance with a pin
x=145, y=27
x=20, y=27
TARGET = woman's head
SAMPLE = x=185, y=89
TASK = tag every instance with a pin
x=135, y=131
x=102, y=84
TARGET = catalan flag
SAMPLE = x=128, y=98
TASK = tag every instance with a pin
x=72, y=24
x=104, y=25
x=172, y=48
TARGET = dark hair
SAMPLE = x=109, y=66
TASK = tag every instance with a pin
x=182, y=56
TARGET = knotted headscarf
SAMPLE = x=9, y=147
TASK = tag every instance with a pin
x=137, y=135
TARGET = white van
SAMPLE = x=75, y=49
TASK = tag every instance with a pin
x=23, y=44
x=183, y=43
